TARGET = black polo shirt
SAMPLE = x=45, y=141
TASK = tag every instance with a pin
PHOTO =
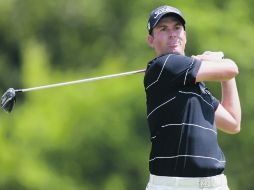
x=180, y=114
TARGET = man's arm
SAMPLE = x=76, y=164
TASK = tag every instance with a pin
x=216, y=70
x=228, y=113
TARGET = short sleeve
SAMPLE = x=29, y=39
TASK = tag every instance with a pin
x=178, y=70
x=215, y=103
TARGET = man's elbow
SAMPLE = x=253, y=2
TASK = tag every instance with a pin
x=233, y=69
x=235, y=129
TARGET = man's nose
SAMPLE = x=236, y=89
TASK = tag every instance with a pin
x=172, y=34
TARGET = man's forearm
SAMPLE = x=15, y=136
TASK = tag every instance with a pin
x=230, y=99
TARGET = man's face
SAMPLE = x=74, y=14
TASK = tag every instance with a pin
x=168, y=36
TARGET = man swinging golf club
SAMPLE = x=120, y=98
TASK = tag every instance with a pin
x=183, y=116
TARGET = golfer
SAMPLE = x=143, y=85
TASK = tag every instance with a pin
x=183, y=116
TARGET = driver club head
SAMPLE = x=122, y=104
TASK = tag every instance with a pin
x=8, y=100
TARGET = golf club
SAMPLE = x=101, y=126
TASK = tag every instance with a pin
x=9, y=97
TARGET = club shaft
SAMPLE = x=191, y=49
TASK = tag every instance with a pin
x=80, y=81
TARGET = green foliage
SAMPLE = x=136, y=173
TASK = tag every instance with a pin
x=94, y=136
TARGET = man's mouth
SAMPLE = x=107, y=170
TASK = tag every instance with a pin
x=172, y=46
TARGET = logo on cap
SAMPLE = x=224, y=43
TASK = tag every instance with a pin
x=165, y=9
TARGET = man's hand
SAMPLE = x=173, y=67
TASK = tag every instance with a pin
x=210, y=56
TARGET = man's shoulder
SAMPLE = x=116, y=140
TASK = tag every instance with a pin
x=167, y=57
x=163, y=60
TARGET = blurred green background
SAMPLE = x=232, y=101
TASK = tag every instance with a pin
x=94, y=136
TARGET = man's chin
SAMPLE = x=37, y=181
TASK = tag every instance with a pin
x=174, y=51
x=171, y=51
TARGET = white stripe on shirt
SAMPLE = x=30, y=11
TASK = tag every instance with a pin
x=190, y=124
x=187, y=72
x=160, y=106
x=159, y=74
x=197, y=95
x=192, y=156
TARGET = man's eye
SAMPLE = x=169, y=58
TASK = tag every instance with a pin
x=177, y=27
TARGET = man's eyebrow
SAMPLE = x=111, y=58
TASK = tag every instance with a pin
x=161, y=25
x=177, y=23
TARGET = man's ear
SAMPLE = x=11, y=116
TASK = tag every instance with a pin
x=150, y=40
x=185, y=36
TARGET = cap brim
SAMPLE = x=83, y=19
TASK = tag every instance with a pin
x=179, y=17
